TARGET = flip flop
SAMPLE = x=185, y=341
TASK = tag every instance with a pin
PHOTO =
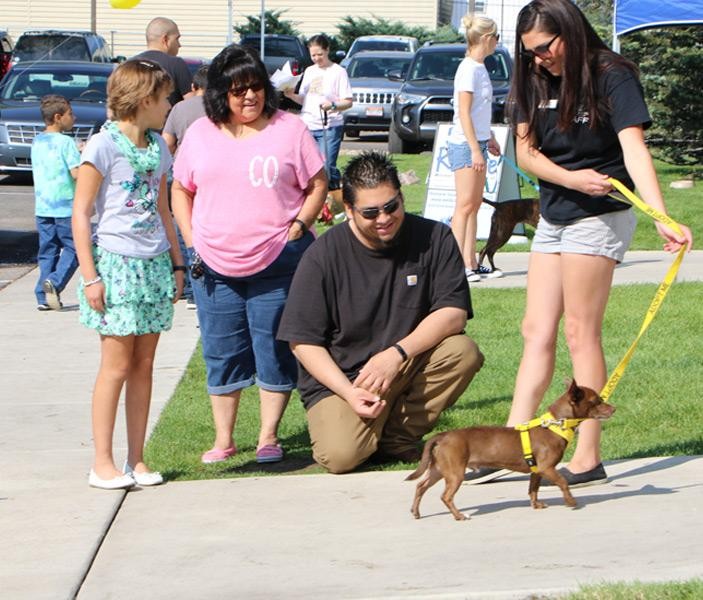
x=270, y=453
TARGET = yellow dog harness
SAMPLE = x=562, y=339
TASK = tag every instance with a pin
x=562, y=427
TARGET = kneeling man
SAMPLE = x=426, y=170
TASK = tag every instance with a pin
x=375, y=316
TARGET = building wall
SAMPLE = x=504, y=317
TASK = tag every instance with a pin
x=203, y=23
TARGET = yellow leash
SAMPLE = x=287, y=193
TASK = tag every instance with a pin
x=662, y=290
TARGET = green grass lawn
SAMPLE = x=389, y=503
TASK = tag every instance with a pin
x=675, y=590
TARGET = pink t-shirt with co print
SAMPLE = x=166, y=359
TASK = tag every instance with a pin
x=247, y=191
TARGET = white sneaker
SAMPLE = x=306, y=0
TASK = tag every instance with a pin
x=494, y=274
x=473, y=277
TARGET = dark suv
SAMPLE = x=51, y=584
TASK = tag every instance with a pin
x=279, y=49
x=426, y=96
x=58, y=44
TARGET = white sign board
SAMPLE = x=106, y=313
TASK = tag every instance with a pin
x=501, y=183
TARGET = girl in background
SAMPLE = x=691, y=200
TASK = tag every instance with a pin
x=127, y=265
x=470, y=137
x=325, y=87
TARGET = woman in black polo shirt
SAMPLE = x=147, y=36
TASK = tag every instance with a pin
x=580, y=117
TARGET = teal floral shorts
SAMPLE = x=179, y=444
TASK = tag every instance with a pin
x=138, y=295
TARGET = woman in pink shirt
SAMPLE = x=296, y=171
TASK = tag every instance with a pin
x=248, y=183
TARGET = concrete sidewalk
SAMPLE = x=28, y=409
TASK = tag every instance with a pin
x=299, y=536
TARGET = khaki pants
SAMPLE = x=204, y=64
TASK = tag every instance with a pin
x=424, y=387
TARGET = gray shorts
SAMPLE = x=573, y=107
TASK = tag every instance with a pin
x=605, y=235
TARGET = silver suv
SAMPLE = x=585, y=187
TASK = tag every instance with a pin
x=398, y=43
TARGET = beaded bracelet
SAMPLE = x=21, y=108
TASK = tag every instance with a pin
x=90, y=282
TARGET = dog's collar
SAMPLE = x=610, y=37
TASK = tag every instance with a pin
x=562, y=427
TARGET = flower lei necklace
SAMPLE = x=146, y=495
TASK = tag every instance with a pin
x=142, y=162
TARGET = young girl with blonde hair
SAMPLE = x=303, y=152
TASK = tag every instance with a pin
x=470, y=137
x=127, y=264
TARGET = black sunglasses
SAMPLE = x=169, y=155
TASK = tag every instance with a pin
x=388, y=208
x=240, y=92
x=540, y=50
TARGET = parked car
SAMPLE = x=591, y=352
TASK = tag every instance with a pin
x=82, y=83
x=372, y=91
x=279, y=49
x=398, y=43
x=58, y=44
x=6, y=46
x=426, y=96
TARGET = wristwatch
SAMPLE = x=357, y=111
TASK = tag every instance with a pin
x=333, y=106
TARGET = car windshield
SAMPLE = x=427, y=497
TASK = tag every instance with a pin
x=443, y=65
x=368, y=66
x=435, y=65
x=51, y=47
x=397, y=45
x=25, y=85
x=275, y=47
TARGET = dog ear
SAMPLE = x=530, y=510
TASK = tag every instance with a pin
x=574, y=391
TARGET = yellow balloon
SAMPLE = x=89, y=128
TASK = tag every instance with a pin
x=124, y=3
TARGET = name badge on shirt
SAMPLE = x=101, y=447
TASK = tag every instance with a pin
x=550, y=104
x=411, y=280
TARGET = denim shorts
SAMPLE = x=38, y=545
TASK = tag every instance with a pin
x=607, y=235
x=239, y=317
x=460, y=154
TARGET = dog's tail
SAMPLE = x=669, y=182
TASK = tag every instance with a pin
x=490, y=202
x=427, y=457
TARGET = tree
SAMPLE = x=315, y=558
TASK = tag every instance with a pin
x=272, y=22
x=352, y=28
x=671, y=66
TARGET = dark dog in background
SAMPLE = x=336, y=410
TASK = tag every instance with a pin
x=506, y=216
x=447, y=455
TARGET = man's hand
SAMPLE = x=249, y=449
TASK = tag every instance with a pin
x=365, y=404
x=379, y=372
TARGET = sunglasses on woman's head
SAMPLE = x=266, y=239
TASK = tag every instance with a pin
x=541, y=50
x=388, y=208
x=241, y=91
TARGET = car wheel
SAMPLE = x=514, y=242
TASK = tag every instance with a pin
x=351, y=132
x=397, y=145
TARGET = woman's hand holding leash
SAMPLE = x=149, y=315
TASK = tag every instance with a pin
x=590, y=182
x=672, y=240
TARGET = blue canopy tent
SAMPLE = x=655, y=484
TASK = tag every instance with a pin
x=631, y=15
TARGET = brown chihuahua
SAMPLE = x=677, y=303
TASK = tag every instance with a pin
x=448, y=454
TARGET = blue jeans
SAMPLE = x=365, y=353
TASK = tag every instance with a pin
x=56, y=258
x=334, y=141
x=239, y=317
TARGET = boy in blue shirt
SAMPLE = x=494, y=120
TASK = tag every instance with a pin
x=55, y=161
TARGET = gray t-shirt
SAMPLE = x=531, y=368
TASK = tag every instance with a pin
x=182, y=115
x=127, y=202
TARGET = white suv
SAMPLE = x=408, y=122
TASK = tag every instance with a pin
x=401, y=43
